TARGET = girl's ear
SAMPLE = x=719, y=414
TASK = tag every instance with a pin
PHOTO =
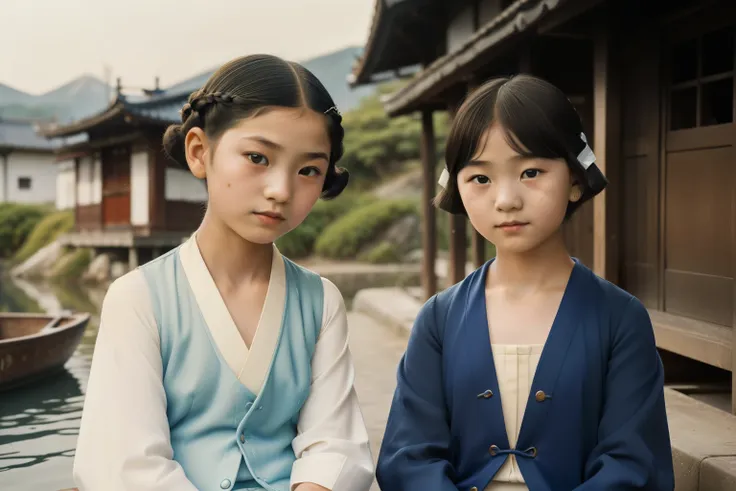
x=196, y=147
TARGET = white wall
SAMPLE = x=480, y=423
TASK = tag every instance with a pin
x=460, y=29
x=66, y=185
x=40, y=168
x=181, y=185
x=139, y=184
x=89, y=184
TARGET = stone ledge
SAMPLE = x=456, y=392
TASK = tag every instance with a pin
x=703, y=437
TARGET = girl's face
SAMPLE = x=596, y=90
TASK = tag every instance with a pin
x=267, y=172
x=515, y=202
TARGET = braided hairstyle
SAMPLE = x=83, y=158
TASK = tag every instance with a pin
x=242, y=88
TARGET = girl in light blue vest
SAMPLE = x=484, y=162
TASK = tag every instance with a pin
x=222, y=365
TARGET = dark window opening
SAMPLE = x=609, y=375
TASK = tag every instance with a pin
x=24, y=183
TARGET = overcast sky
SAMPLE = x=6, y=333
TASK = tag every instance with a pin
x=46, y=43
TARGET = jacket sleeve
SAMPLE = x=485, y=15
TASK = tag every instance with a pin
x=414, y=454
x=124, y=441
x=633, y=450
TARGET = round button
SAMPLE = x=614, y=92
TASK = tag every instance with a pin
x=473, y=489
x=493, y=450
x=540, y=396
x=225, y=484
x=486, y=395
x=533, y=452
x=242, y=438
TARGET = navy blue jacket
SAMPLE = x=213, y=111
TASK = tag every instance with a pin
x=595, y=419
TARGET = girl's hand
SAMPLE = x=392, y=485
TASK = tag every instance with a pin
x=309, y=486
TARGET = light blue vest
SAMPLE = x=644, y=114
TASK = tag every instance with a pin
x=224, y=436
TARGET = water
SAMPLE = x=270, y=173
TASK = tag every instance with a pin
x=39, y=423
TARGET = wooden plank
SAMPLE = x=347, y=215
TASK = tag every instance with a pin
x=457, y=223
x=702, y=341
x=607, y=138
x=429, y=216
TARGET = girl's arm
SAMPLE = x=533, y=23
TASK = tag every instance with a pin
x=124, y=435
x=633, y=451
x=332, y=446
x=415, y=450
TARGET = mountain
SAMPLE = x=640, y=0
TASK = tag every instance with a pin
x=9, y=95
x=81, y=97
x=87, y=95
x=331, y=69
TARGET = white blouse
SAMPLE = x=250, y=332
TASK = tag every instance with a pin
x=124, y=429
x=515, y=369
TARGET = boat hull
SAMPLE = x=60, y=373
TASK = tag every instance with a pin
x=24, y=359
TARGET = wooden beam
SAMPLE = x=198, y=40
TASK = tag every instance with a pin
x=429, y=218
x=607, y=145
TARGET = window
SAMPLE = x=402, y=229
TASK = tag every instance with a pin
x=24, y=183
x=702, y=80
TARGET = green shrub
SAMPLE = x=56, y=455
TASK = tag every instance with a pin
x=385, y=252
x=299, y=242
x=72, y=265
x=44, y=233
x=16, y=223
x=346, y=236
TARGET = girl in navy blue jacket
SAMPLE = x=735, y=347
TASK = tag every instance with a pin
x=532, y=373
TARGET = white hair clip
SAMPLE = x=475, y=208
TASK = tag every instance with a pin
x=444, y=177
x=586, y=157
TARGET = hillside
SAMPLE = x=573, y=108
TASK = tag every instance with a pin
x=87, y=95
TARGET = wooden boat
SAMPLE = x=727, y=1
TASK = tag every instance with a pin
x=34, y=345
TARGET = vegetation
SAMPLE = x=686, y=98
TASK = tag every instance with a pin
x=377, y=146
x=299, y=242
x=384, y=252
x=16, y=223
x=44, y=233
x=72, y=265
x=344, y=238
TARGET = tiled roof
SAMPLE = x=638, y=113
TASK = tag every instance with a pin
x=22, y=134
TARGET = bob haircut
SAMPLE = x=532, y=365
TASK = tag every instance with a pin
x=247, y=86
x=538, y=120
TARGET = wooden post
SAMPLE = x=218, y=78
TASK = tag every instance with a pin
x=607, y=146
x=477, y=241
x=429, y=217
x=458, y=233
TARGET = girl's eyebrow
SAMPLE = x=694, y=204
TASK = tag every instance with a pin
x=271, y=144
x=514, y=159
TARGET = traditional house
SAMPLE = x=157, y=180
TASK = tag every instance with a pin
x=125, y=192
x=27, y=164
x=654, y=84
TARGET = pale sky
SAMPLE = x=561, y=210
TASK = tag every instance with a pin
x=46, y=43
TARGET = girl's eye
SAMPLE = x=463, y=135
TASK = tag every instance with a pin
x=257, y=158
x=480, y=179
x=310, y=171
x=531, y=173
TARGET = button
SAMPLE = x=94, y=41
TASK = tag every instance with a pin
x=242, y=438
x=225, y=484
x=540, y=396
x=533, y=452
x=493, y=450
x=486, y=395
x=473, y=489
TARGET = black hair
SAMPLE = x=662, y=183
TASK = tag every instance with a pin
x=538, y=121
x=247, y=85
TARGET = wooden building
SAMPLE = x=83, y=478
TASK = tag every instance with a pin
x=654, y=84
x=127, y=193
